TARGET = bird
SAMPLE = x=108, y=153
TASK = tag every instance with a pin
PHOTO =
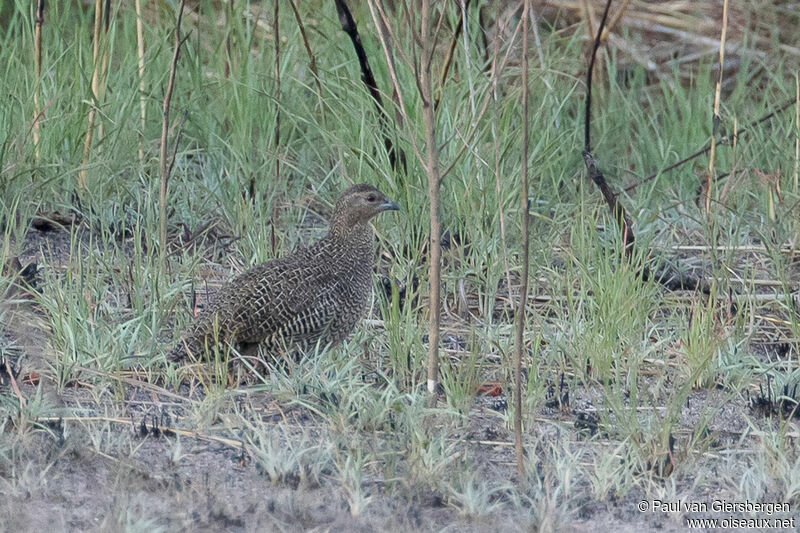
x=316, y=294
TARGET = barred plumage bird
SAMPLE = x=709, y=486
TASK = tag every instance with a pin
x=316, y=294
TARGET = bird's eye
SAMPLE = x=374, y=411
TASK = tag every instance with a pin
x=371, y=198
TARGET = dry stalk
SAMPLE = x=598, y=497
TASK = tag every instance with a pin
x=385, y=35
x=276, y=33
x=430, y=160
x=164, y=165
x=87, y=141
x=432, y=169
x=142, y=88
x=448, y=60
x=796, y=132
x=467, y=63
x=312, y=61
x=386, y=30
x=715, y=120
x=594, y=173
x=536, y=38
x=523, y=291
x=37, y=45
x=103, y=81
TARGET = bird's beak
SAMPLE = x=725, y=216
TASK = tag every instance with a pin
x=389, y=205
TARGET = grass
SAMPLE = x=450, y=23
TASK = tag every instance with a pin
x=658, y=383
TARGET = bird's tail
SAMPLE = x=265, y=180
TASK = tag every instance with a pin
x=184, y=347
x=202, y=335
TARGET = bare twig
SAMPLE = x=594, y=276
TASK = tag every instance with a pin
x=312, y=61
x=709, y=186
x=724, y=140
x=140, y=59
x=164, y=165
x=448, y=60
x=432, y=169
x=523, y=291
x=616, y=208
x=385, y=34
x=663, y=274
x=37, y=44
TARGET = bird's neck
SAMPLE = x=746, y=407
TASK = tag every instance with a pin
x=344, y=231
x=356, y=239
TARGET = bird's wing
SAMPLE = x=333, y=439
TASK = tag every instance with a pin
x=311, y=317
x=287, y=301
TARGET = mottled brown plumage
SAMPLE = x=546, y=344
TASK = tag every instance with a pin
x=316, y=294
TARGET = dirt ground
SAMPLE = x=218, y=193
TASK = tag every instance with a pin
x=121, y=458
x=65, y=484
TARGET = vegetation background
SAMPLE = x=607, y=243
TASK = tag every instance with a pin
x=670, y=374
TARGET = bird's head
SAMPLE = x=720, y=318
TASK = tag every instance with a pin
x=357, y=205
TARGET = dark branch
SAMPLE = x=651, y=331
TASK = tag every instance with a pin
x=620, y=215
x=587, y=145
x=349, y=27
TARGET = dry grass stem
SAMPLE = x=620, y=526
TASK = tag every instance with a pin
x=432, y=170
x=277, y=41
x=142, y=86
x=384, y=33
x=87, y=142
x=523, y=294
x=164, y=164
x=103, y=81
x=495, y=81
x=709, y=188
x=37, y=50
x=312, y=61
x=448, y=59
x=795, y=188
